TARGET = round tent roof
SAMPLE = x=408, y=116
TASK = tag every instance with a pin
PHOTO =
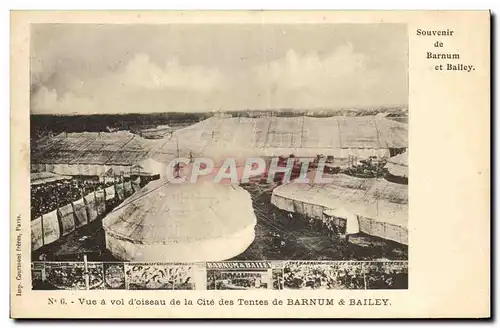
x=400, y=159
x=164, y=212
x=398, y=165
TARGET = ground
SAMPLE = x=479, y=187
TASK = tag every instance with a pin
x=277, y=238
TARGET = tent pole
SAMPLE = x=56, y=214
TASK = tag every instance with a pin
x=95, y=202
x=43, y=235
x=86, y=272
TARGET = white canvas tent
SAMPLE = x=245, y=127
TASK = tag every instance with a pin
x=91, y=153
x=339, y=136
x=46, y=177
x=181, y=222
x=398, y=165
x=381, y=206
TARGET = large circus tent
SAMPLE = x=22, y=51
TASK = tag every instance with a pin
x=303, y=136
x=380, y=206
x=94, y=153
x=181, y=222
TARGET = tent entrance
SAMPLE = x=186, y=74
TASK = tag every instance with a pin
x=396, y=151
x=340, y=224
x=342, y=221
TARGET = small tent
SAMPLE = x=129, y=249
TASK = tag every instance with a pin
x=47, y=177
x=398, y=165
x=352, y=224
x=150, y=167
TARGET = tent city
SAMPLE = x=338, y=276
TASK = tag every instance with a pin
x=201, y=144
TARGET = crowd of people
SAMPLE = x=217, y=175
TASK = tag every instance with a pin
x=368, y=168
x=386, y=275
x=372, y=167
x=72, y=276
x=243, y=280
x=327, y=226
x=47, y=197
x=345, y=275
x=236, y=280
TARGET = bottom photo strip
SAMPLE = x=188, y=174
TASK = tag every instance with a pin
x=276, y=275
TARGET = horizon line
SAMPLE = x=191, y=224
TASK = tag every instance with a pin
x=384, y=107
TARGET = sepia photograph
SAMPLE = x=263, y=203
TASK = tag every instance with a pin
x=167, y=146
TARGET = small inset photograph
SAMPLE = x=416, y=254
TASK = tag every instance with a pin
x=159, y=276
x=237, y=280
x=114, y=275
x=386, y=275
x=73, y=275
x=323, y=275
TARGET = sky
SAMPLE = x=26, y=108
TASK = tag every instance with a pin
x=88, y=69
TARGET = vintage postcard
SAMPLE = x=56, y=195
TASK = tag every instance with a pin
x=250, y=164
